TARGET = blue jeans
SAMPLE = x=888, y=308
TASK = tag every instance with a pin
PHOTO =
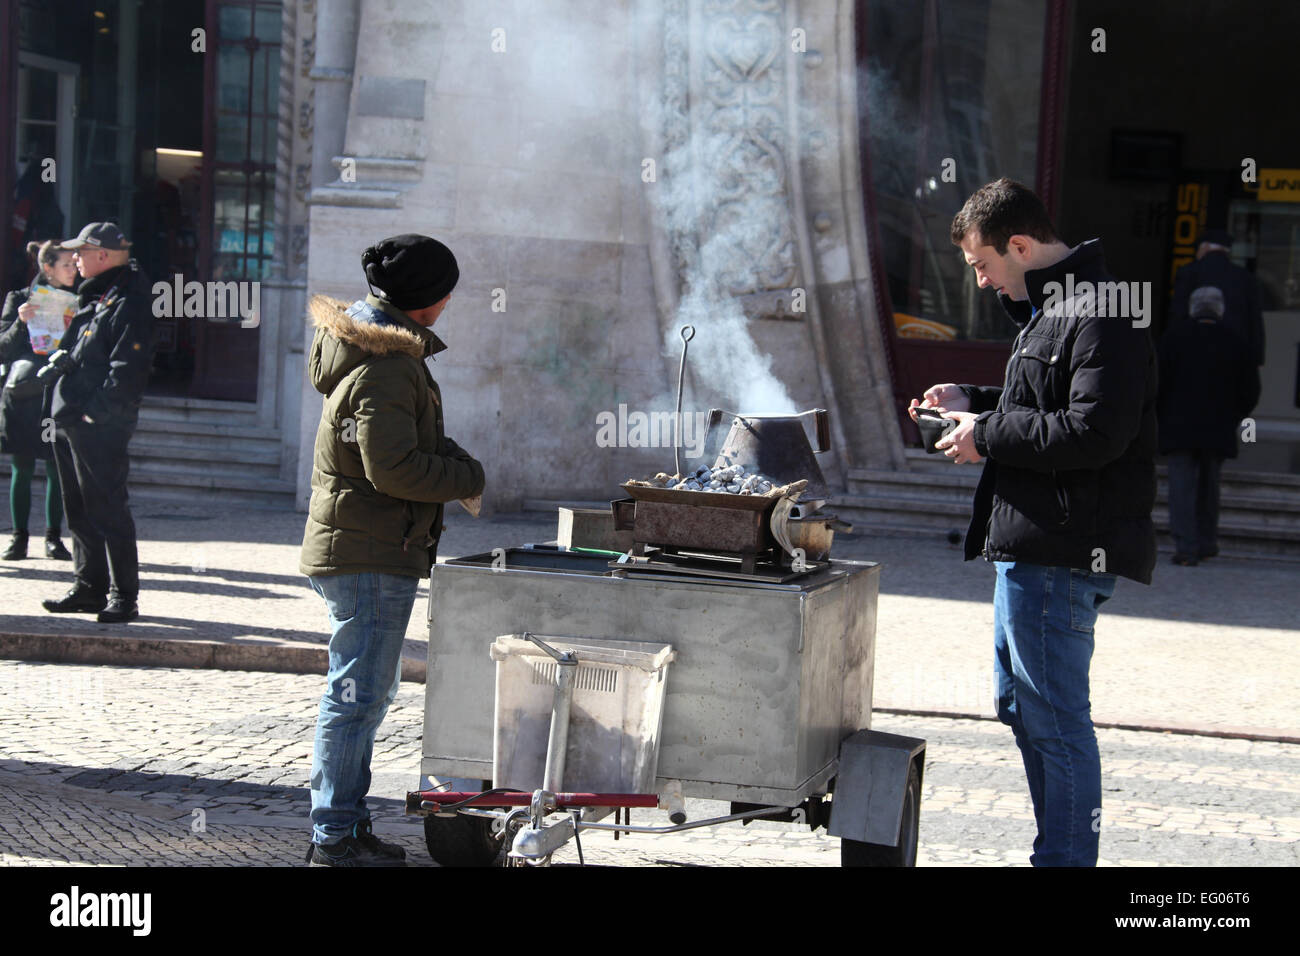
x=1042, y=638
x=368, y=616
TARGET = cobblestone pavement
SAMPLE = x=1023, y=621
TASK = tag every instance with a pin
x=1206, y=648
x=155, y=766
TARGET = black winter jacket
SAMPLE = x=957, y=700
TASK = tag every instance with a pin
x=111, y=344
x=1241, y=311
x=1070, y=438
x=1208, y=383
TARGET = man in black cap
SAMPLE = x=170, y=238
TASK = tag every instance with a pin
x=382, y=470
x=1212, y=269
x=99, y=373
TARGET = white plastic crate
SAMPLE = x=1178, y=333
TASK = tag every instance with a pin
x=614, y=719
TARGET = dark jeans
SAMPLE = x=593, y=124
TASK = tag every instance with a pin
x=93, y=468
x=1194, y=502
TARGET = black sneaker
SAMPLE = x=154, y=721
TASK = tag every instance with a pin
x=76, y=601
x=118, y=612
x=358, y=850
x=366, y=836
x=54, y=549
x=17, y=549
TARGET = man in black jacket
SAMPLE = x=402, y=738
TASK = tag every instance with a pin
x=1209, y=382
x=1213, y=270
x=102, y=367
x=1064, y=502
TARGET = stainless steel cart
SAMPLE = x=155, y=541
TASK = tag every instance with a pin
x=766, y=704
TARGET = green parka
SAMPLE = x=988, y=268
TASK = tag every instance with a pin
x=383, y=467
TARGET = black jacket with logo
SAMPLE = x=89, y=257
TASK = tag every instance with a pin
x=1070, y=438
x=110, y=342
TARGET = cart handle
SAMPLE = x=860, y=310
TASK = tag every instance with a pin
x=432, y=799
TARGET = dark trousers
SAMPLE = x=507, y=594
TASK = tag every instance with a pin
x=1194, y=502
x=93, y=466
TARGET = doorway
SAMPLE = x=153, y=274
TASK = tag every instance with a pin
x=161, y=116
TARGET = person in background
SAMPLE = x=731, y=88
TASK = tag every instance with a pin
x=1237, y=288
x=35, y=207
x=1209, y=382
x=22, y=403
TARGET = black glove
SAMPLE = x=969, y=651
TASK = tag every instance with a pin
x=56, y=366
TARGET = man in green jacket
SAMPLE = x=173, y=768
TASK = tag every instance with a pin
x=382, y=471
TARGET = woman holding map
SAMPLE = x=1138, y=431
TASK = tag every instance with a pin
x=31, y=325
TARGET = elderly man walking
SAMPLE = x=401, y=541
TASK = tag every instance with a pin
x=99, y=372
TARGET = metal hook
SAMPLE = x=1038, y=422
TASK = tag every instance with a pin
x=561, y=657
x=688, y=333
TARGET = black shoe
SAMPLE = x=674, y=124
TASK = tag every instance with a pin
x=366, y=836
x=54, y=548
x=361, y=849
x=1213, y=552
x=1186, y=560
x=118, y=612
x=76, y=601
x=17, y=549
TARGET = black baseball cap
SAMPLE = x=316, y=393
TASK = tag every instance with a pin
x=102, y=235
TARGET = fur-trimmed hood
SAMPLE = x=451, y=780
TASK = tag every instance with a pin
x=348, y=335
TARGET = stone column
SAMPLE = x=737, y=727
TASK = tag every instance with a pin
x=759, y=229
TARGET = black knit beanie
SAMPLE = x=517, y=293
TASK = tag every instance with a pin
x=410, y=271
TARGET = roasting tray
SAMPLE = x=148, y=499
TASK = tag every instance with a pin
x=711, y=499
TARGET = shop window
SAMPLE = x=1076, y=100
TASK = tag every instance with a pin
x=952, y=102
x=246, y=114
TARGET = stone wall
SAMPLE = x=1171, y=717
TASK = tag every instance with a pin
x=519, y=134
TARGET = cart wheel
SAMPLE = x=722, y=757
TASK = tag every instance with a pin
x=857, y=853
x=461, y=840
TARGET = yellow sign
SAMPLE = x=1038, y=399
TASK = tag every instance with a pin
x=1279, y=185
x=915, y=327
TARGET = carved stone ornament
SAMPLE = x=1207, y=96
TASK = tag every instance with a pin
x=724, y=95
x=308, y=55
x=307, y=114
x=302, y=181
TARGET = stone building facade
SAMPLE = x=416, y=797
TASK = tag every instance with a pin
x=605, y=173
